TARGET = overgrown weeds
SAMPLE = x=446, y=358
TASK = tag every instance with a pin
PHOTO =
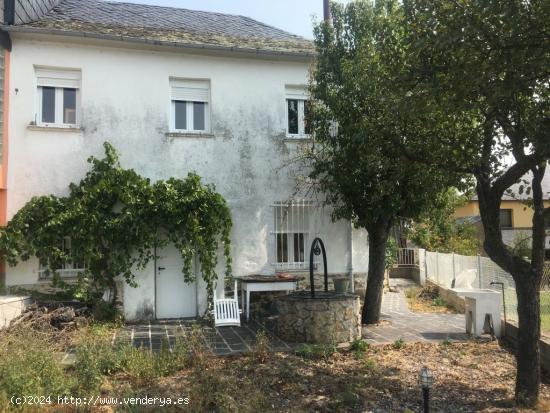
x=427, y=300
x=29, y=365
x=316, y=351
x=261, y=347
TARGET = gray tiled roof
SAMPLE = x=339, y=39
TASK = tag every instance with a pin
x=168, y=24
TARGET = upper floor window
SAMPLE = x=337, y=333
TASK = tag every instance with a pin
x=506, y=218
x=190, y=105
x=58, y=94
x=297, y=112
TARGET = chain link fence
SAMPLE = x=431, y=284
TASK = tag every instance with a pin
x=443, y=269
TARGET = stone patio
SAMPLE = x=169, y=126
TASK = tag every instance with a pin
x=398, y=322
x=221, y=341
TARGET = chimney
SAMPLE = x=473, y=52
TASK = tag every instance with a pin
x=326, y=10
x=9, y=12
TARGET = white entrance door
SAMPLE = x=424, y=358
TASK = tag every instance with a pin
x=174, y=297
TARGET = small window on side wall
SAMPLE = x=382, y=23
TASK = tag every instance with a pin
x=190, y=105
x=506, y=220
x=57, y=97
x=297, y=112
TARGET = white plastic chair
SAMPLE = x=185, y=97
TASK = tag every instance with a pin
x=226, y=310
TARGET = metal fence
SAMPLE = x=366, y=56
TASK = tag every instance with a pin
x=444, y=268
x=407, y=257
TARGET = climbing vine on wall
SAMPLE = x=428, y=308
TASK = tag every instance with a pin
x=116, y=220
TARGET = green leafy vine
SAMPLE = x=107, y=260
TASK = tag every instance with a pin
x=116, y=220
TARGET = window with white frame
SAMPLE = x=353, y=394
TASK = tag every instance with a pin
x=69, y=268
x=292, y=234
x=297, y=112
x=190, y=110
x=58, y=94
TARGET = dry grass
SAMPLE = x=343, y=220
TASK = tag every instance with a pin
x=473, y=376
x=427, y=300
x=469, y=377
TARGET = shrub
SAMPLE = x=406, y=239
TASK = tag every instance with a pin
x=95, y=357
x=439, y=302
x=399, y=344
x=359, y=345
x=261, y=347
x=29, y=366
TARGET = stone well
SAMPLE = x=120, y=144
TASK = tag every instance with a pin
x=326, y=319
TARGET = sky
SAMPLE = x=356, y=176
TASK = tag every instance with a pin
x=294, y=16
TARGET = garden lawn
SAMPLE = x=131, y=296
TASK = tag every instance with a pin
x=545, y=312
x=511, y=308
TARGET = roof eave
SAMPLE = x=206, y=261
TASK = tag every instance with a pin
x=135, y=40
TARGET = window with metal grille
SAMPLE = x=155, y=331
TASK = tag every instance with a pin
x=69, y=268
x=292, y=234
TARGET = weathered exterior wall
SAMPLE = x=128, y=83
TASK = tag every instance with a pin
x=125, y=100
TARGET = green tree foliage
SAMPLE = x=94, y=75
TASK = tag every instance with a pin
x=362, y=64
x=116, y=219
x=437, y=229
x=482, y=89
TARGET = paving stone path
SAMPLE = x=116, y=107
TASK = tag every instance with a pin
x=398, y=322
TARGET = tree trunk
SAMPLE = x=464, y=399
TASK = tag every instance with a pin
x=528, y=354
x=378, y=238
x=527, y=277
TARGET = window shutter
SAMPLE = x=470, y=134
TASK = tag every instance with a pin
x=58, y=78
x=190, y=90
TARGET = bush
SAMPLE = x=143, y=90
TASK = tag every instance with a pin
x=399, y=344
x=104, y=311
x=95, y=357
x=439, y=302
x=359, y=345
x=29, y=366
x=261, y=347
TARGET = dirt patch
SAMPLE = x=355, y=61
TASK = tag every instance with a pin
x=428, y=300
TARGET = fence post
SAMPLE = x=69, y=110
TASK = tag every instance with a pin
x=421, y=266
x=454, y=272
x=426, y=264
x=437, y=265
x=479, y=270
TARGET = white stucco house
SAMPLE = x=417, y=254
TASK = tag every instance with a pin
x=174, y=91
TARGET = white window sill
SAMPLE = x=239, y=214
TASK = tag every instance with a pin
x=74, y=129
x=190, y=135
x=298, y=138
